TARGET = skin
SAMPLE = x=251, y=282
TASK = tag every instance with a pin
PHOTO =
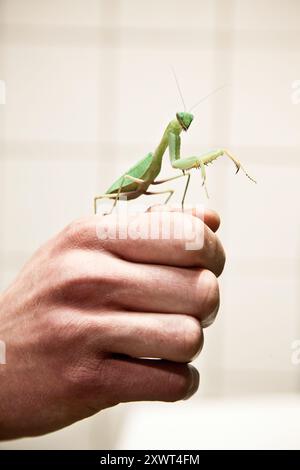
x=83, y=312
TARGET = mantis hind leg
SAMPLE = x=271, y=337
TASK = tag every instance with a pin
x=106, y=196
x=116, y=196
x=174, y=178
x=169, y=191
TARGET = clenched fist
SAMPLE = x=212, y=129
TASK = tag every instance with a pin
x=88, y=317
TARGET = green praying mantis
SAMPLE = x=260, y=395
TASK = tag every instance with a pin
x=136, y=181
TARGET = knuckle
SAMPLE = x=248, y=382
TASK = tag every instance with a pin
x=221, y=258
x=76, y=289
x=84, y=359
x=82, y=276
x=181, y=384
x=82, y=375
x=208, y=283
x=68, y=328
x=181, y=389
x=80, y=232
x=214, y=252
x=66, y=269
x=193, y=230
x=192, y=339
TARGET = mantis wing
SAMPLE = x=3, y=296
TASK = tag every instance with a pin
x=138, y=171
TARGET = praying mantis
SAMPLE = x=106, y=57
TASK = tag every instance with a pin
x=136, y=181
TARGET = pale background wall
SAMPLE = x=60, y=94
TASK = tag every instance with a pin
x=89, y=91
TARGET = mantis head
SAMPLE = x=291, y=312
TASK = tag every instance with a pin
x=184, y=120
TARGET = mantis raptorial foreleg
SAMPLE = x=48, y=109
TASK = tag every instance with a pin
x=203, y=174
x=187, y=163
x=214, y=154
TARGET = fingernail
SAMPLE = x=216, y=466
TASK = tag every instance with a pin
x=194, y=383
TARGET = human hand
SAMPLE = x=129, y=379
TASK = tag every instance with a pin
x=83, y=313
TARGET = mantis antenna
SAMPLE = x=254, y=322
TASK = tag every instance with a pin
x=178, y=87
x=207, y=96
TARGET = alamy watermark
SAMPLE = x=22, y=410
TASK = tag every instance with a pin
x=133, y=221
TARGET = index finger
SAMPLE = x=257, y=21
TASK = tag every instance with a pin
x=164, y=238
x=210, y=217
